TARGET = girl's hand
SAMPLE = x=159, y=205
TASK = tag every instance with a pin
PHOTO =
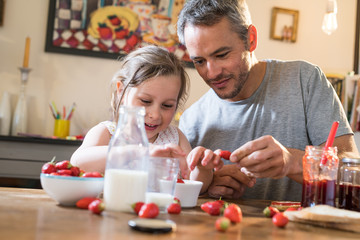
x=204, y=158
x=173, y=151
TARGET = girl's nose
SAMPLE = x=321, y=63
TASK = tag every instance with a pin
x=153, y=112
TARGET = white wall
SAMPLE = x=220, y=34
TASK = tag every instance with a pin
x=84, y=80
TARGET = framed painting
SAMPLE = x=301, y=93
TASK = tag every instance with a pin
x=113, y=28
x=284, y=24
x=2, y=9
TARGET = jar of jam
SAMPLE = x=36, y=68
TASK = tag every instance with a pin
x=349, y=184
x=319, y=177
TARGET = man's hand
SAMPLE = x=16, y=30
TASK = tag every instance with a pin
x=229, y=182
x=266, y=157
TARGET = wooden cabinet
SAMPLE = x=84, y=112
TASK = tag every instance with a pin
x=23, y=157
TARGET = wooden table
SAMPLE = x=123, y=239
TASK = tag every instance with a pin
x=32, y=214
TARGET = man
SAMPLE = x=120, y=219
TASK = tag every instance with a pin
x=264, y=112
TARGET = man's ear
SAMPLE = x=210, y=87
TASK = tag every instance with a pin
x=252, y=38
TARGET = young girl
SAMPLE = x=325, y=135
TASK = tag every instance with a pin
x=153, y=78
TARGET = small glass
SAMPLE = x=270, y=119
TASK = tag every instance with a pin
x=163, y=173
x=319, y=181
x=349, y=184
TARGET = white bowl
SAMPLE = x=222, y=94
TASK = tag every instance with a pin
x=188, y=192
x=68, y=190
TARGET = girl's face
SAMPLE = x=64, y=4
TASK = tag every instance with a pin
x=159, y=97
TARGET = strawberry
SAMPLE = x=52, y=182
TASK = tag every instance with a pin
x=225, y=154
x=64, y=172
x=48, y=167
x=104, y=31
x=212, y=208
x=75, y=171
x=114, y=20
x=149, y=210
x=292, y=209
x=132, y=40
x=84, y=202
x=176, y=200
x=222, y=224
x=179, y=180
x=96, y=206
x=121, y=33
x=270, y=211
x=233, y=213
x=174, y=208
x=92, y=174
x=65, y=164
x=280, y=220
x=137, y=206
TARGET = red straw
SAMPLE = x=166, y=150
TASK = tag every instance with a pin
x=330, y=140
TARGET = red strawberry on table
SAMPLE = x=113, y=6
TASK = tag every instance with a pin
x=233, y=213
x=225, y=154
x=174, y=208
x=149, y=210
x=213, y=208
x=92, y=174
x=137, y=206
x=96, y=206
x=64, y=172
x=270, y=211
x=280, y=220
x=85, y=202
x=222, y=224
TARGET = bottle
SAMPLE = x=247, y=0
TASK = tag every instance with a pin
x=19, y=121
x=5, y=114
x=126, y=175
x=349, y=184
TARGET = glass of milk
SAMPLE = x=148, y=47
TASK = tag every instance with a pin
x=126, y=175
x=163, y=173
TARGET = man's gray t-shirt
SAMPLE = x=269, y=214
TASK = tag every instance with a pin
x=295, y=104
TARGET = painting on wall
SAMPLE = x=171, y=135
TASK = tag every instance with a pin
x=2, y=7
x=113, y=28
x=284, y=24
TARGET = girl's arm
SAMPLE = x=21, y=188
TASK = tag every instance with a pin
x=91, y=155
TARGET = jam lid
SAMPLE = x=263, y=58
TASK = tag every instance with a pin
x=351, y=160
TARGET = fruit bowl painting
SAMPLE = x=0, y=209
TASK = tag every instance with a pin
x=67, y=190
x=188, y=192
x=111, y=29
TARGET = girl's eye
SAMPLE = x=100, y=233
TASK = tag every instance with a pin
x=145, y=101
x=168, y=105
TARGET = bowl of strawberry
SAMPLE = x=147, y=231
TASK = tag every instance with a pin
x=67, y=184
x=187, y=191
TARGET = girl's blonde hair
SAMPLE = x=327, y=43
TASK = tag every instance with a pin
x=142, y=64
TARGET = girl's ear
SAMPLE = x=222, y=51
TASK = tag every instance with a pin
x=252, y=38
x=119, y=87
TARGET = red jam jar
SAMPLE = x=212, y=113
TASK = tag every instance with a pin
x=319, y=181
x=349, y=184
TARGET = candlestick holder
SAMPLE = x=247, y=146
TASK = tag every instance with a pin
x=19, y=123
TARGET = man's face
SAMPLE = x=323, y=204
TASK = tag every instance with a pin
x=220, y=57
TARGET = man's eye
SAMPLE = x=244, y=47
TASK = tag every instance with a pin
x=198, y=62
x=222, y=55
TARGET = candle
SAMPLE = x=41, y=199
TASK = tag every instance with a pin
x=26, y=54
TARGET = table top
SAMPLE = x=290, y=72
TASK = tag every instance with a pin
x=32, y=214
